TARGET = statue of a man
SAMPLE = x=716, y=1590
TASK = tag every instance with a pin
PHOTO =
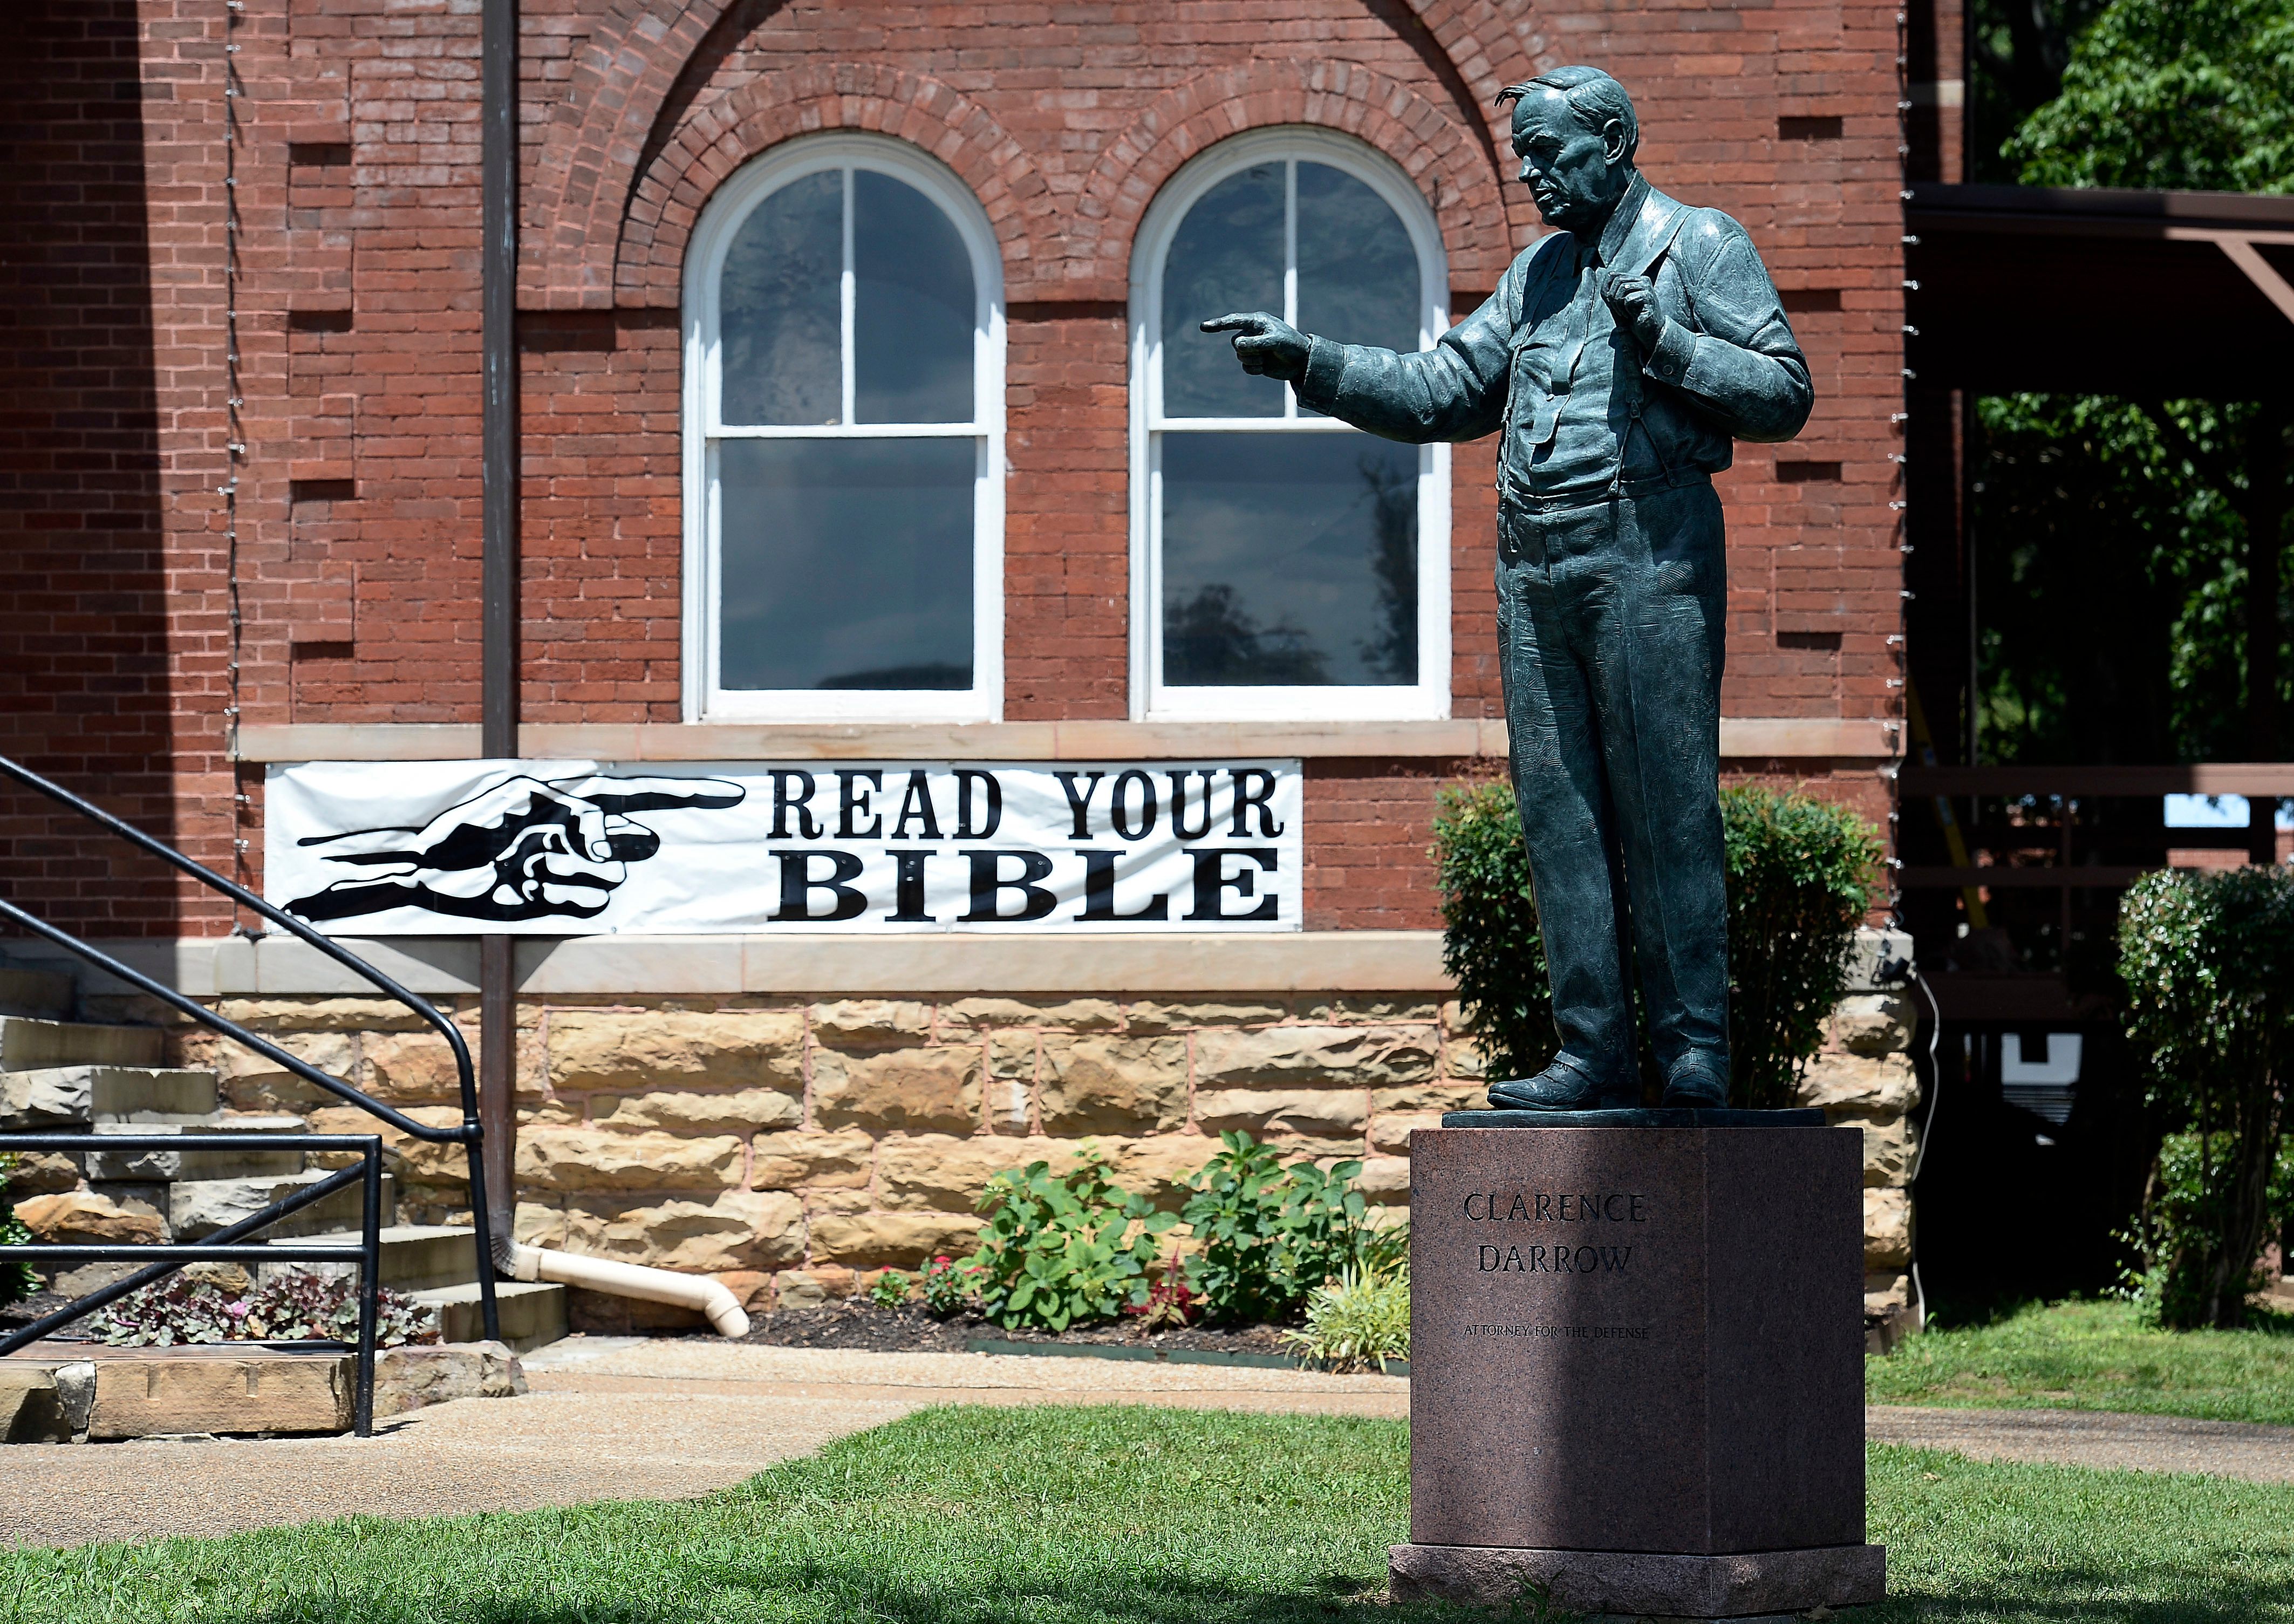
x=1619, y=356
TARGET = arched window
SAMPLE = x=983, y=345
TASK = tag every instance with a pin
x=844, y=443
x=1285, y=567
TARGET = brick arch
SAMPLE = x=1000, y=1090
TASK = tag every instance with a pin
x=622, y=77
x=727, y=131
x=1446, y=161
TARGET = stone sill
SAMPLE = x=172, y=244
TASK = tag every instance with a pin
x=1742, y=738
x=960, y=964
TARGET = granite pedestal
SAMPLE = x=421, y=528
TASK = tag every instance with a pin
x=1636, y=1374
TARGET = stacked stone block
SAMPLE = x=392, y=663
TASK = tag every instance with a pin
x=790, y=1145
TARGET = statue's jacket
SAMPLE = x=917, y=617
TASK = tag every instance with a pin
x=1584, y=411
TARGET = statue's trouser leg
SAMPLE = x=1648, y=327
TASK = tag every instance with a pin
x=1612, y=619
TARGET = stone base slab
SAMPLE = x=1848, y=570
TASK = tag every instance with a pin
x=1642, y=1584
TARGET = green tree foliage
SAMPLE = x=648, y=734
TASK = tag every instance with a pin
x=2111, y=578
x=2021, y=48
x=2207, y=961
x=2195, y=96
x=1799, y=880
x=2110, y=533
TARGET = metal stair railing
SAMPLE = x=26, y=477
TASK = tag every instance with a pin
x=224, y=1245
x=469, y=1132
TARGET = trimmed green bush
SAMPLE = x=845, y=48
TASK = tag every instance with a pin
x=2207, y=961
x=1491, y=945
x=1801, y=874
x=1799, y=880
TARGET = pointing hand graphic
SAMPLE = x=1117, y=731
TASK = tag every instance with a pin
x=524, y=849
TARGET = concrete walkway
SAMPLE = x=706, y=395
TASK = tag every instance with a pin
x=2103, y=1439
x=625, y=1418
x=607, y=1418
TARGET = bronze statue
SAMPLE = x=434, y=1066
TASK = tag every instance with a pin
x=1621, y=355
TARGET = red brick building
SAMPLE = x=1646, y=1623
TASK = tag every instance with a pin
x=244, y=475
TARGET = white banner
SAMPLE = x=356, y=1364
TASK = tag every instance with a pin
x=589, y=848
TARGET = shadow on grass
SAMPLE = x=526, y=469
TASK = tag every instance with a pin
x=830, y=1592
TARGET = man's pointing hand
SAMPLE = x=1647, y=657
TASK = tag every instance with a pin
x=1268, y=347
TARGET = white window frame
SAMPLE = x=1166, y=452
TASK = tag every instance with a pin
x=704, y=700
x=1151, y=701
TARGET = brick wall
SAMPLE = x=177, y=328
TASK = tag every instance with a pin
x=357, y=298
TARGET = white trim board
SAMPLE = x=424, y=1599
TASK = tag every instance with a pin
x=1110, y=965
x=1105, y=966
x=1874, y=739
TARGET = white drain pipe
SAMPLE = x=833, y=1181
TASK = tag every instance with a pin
x=628, y=1280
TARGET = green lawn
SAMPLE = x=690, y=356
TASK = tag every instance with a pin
x=1135, y=1516
x=2089, y=1355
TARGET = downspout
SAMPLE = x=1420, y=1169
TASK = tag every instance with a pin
x=498, y=596
x=499, y=712
x=629, y=1280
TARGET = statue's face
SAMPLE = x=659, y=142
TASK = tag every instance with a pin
x=1575, y=174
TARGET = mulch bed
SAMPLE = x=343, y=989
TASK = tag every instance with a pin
x=858, y=1324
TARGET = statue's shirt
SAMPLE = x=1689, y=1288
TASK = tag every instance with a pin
x=1584, y=410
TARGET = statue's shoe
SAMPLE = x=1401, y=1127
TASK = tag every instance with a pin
x=1696, y=1085
x=1568, y=1085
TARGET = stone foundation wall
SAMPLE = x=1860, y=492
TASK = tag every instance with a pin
x=790, y=1145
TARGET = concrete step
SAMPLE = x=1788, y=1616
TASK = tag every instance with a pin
x=26, y=1044
x=171, y=1166
x=196, y=1207
x=43, y=994
x=415, y=1256
x=60, y=1099
x=533, y=1312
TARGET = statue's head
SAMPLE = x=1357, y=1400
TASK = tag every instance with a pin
x=1577, y=135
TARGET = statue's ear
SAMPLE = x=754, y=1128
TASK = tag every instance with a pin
x=1613, y=141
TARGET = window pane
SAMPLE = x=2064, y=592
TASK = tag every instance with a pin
x=1227, y=256
x=1357, y=271
x=846, y=564
x=912, y=307
x=1288, y=559
x=778, y=306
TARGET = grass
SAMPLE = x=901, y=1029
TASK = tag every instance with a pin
x=1135, y=1516
x=2095, y=1355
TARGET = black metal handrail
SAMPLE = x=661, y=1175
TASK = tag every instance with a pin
x=221, y=1248
x=469, y=1132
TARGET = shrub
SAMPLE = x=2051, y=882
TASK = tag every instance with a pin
x=1063, y=1249
x=949, y=1288
x=1799, y=880
x=1359, y=1320
x=294, y=1305
x=2207, y=961
x=1491, y=946
x=1270, y=1234
x=17, y=1279
x=891, y=1288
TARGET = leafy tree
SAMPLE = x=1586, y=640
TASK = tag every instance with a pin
x=2111, y=534
x=2209, y=965
x=2195, y=96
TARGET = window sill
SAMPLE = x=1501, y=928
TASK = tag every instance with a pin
x=1799, y=738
